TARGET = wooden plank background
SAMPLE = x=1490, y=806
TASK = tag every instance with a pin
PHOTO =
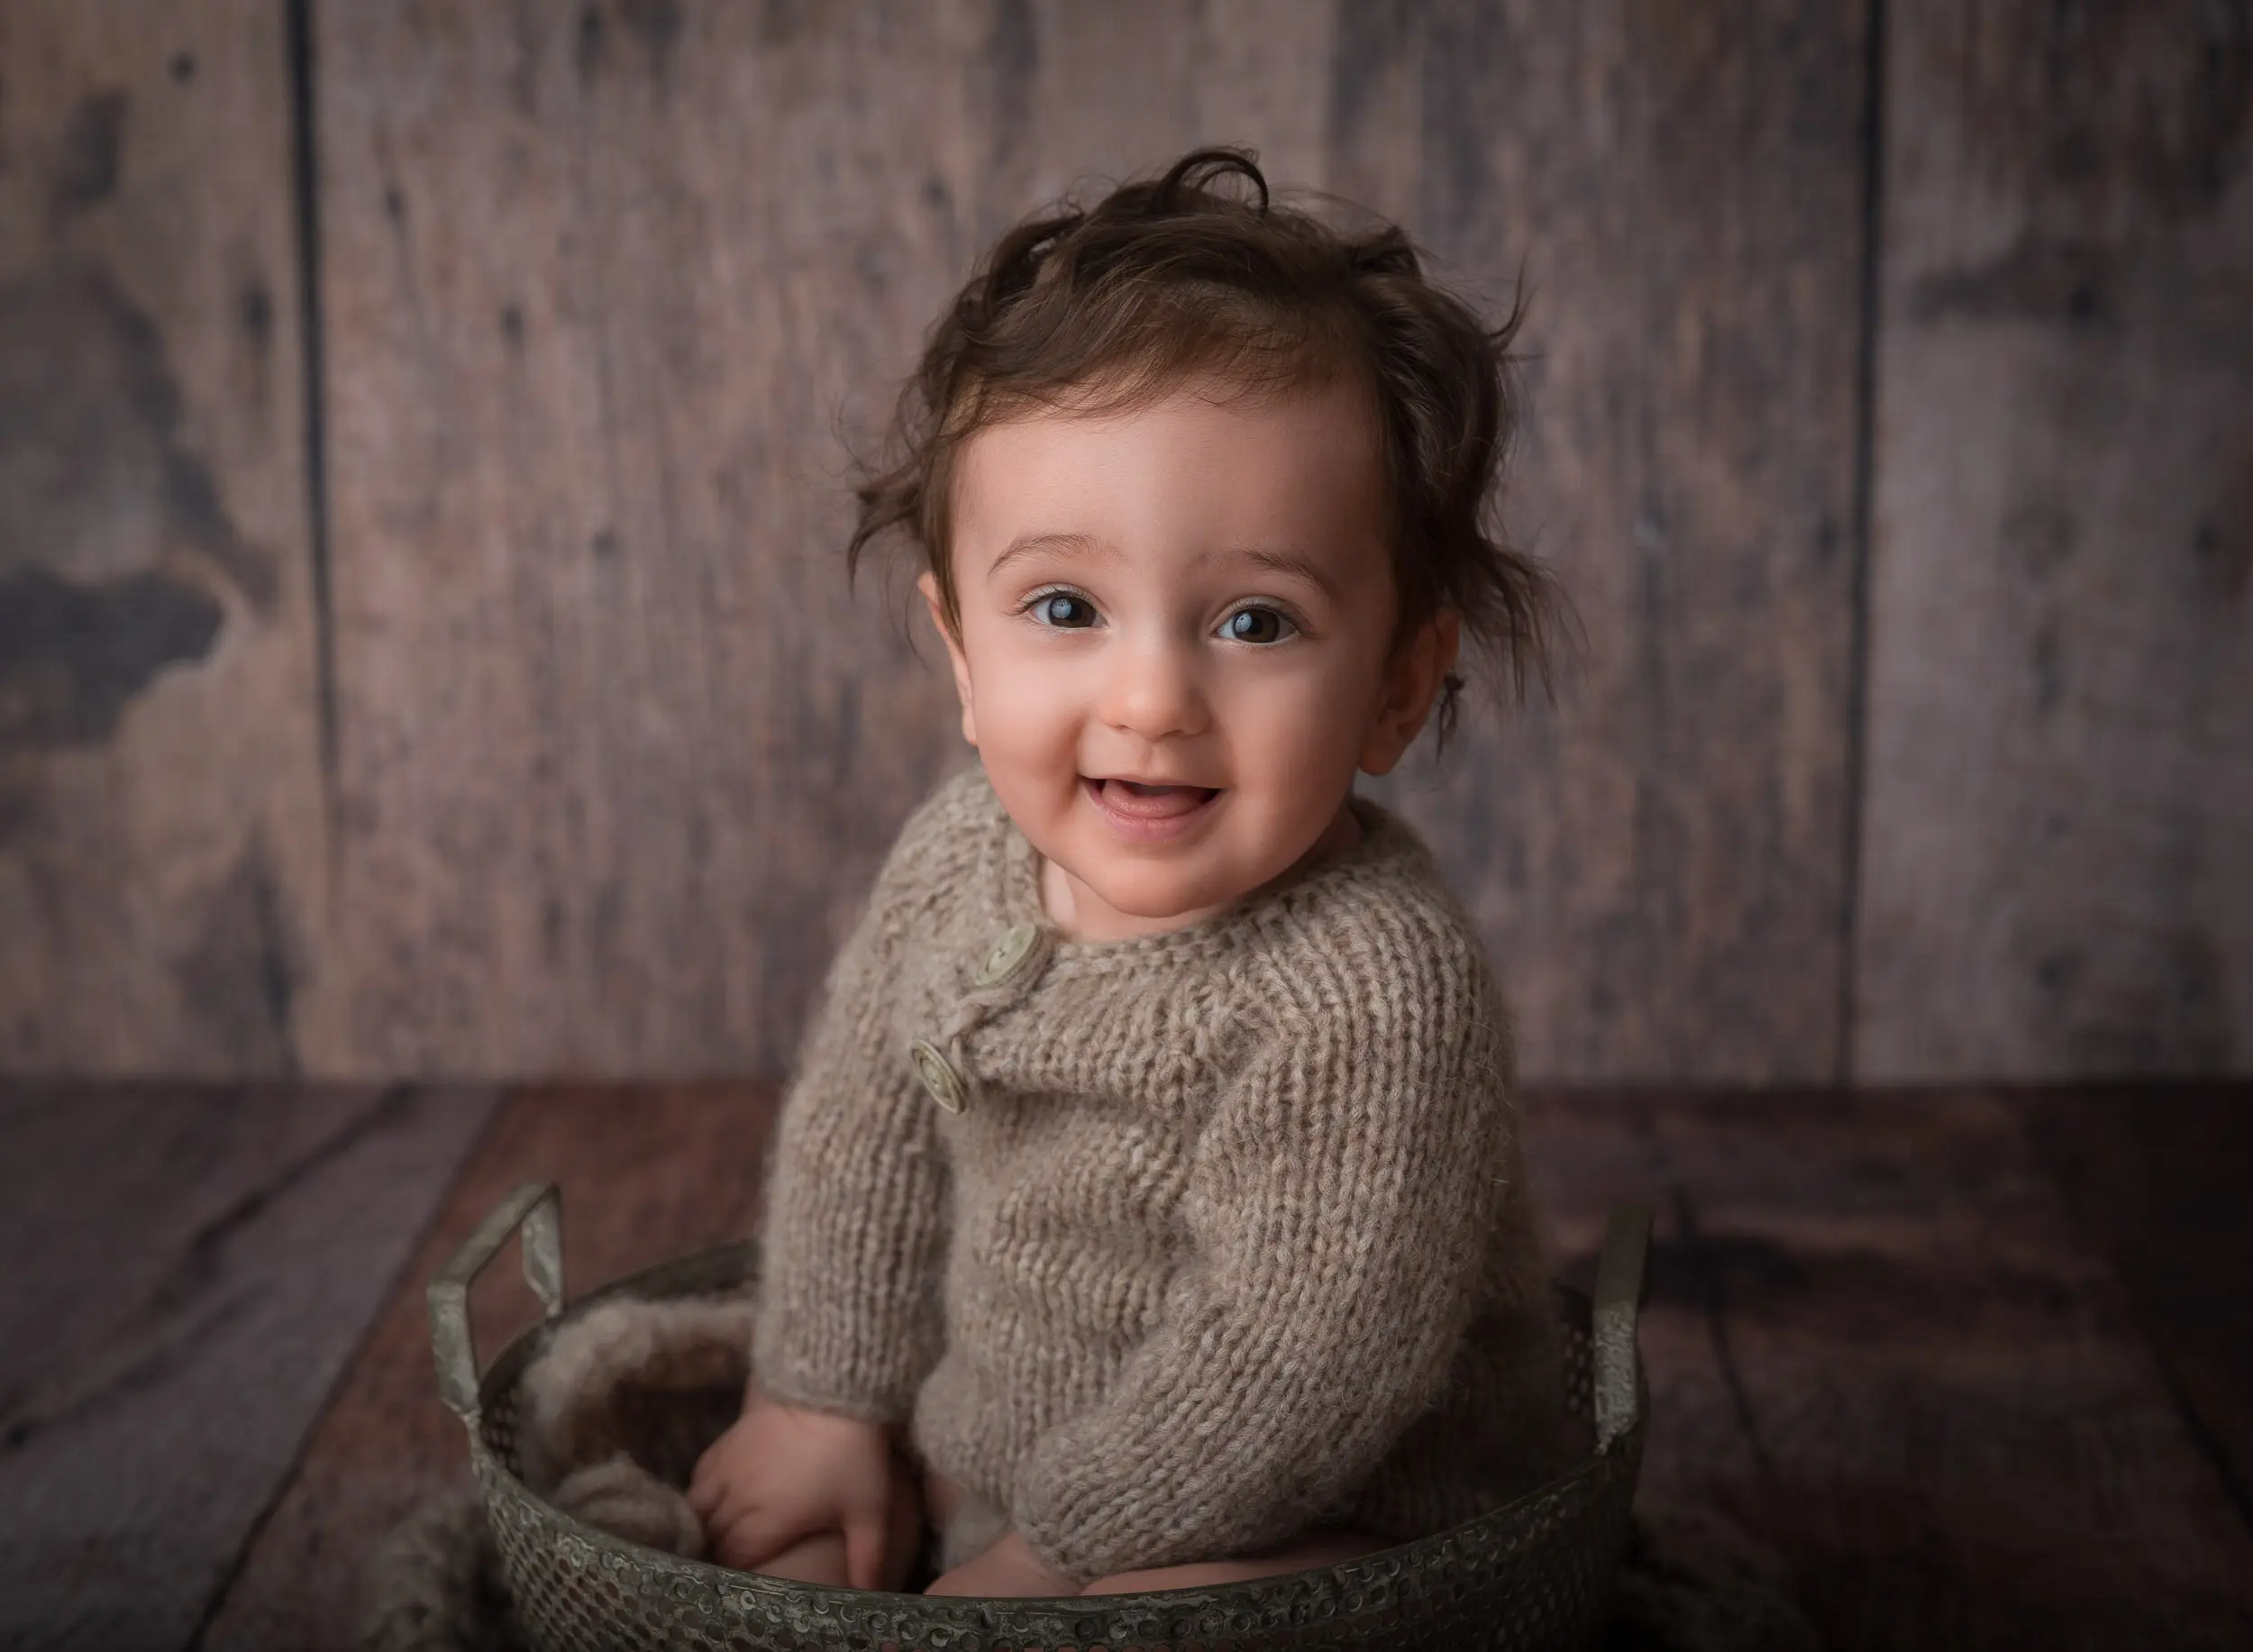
x=2058, y=865
x=519, y=723
x=160, y=833
x=191, y=1270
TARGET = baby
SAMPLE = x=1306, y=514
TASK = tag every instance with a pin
x=1148, y=1209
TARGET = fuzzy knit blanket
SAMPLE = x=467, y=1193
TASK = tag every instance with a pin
x=625, y=1399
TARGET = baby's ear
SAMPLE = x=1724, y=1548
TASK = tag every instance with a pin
x=927, y=583
x=1413, y=682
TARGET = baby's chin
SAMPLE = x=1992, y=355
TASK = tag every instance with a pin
x=1168, y=897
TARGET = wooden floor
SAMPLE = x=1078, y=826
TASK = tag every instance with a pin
x=1979, y=1366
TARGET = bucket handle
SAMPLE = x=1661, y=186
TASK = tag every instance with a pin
x=535, y=1208
x=1619, y=1281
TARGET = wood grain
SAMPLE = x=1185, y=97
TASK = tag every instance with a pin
x=2054, y=877
x=645, y=1173
x=189, y=1269
x=1879, y=1339
x=609, y=290
x=1658, y=861
x=620, y=752
x=2155, y=1177
x=160, y=826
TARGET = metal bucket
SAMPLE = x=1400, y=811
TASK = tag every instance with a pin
x=1534, y=1575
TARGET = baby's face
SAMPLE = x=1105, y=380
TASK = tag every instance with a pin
x=1174, y=645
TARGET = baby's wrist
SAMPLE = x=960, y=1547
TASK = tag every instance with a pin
x=889, y=1434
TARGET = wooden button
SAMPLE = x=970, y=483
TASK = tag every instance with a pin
x=938, y=1075
x=1008, y=955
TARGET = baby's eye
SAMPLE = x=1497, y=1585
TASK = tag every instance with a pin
x=1065, y=610
x=1257, y=625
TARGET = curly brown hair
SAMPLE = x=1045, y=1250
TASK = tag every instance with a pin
x=1108, y=306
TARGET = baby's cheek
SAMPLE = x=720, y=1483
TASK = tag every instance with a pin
x=1033, y=757
x=1310, y=724
x=1289, y=800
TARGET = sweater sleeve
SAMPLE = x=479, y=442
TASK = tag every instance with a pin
x=853, y=1233
x=1337, y=1203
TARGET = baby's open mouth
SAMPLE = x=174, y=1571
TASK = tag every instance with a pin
x=1137, y=801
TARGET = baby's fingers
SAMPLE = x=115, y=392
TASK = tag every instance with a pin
x=705, y=1491
x=709, y=1481
x=864, y=1536
x=746, y=1538
x=719, y=1502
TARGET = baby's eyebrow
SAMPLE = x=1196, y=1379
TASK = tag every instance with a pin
x=1279, y=560
x=1033, y=544
x=1293, y=563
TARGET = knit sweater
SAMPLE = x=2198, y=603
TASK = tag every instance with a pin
x=1170, y=1246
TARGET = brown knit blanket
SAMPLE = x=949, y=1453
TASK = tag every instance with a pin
x=622, y=1403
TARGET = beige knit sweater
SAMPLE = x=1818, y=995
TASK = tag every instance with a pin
x=1229, y=1235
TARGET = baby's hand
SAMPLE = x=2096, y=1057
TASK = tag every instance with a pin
x=783, y=1472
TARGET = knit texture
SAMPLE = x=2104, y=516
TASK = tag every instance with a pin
x=1229, y=1238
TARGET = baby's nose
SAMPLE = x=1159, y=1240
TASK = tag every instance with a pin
x=1154, y=691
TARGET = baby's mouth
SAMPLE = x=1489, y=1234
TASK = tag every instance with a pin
x=1137, y=801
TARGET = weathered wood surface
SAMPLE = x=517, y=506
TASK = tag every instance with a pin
x=159, y=772
x=1659, y=862
x=582, y=758
x=645, y=1173
x=2158, y=1180
x=2055, y=874
x=620, y=752
x=1879, y=1338
x=188, y=1270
